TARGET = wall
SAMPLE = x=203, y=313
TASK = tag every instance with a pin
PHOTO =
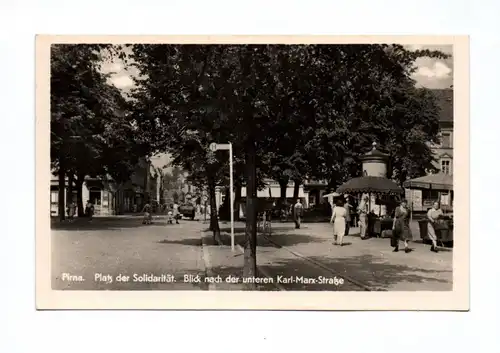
x=375, y=168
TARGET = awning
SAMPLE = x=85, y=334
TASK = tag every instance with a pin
x=370, y=184
x=438, y=181
x=274, y=192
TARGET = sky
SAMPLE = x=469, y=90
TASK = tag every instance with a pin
x=430, y=73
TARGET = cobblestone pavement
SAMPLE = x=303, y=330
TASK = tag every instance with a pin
x=109, y=247
x=85, y=256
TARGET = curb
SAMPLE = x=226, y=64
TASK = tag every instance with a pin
x=240, y=248
x=207, y=262
x=262, y=271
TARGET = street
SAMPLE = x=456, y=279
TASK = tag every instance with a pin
x=124, y=246
x=120, y=253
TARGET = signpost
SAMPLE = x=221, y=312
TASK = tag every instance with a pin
x=228, y=146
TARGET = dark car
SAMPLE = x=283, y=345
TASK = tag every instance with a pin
x=187, y=210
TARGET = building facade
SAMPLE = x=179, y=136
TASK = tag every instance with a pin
x=443, y=151
x=443, y=157
x=108, y=197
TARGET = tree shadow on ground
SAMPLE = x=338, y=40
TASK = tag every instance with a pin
x=101, y=223
x=369, y=270
x=106, y=223
x=225, y=239
x=187, y=242
x=284, y=239
x=363, y=269
x=274, y=228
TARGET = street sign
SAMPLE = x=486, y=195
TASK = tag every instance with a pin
x=219, y=146
x=223, y=146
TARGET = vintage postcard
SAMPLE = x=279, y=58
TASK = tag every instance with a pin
x=252, y=172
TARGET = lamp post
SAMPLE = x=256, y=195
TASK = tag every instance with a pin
x=228, y=146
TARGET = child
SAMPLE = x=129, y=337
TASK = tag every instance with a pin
x=170, y=217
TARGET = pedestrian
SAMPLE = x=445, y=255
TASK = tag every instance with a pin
x=147, y=214
x=433, y=215
x=363, y=217
x=339, y=216
x=401, y=227
x=297, y=213
x=176, y=213
x=170, y=214
x=71, y=211
x=347, y=207
x=89, y=210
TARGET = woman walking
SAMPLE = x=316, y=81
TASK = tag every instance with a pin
x=339, y=215
x=401, y=227
x=432, y=216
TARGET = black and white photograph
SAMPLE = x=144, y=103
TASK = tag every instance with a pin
x=224, y=166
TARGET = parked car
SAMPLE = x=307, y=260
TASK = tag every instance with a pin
x=187, y=210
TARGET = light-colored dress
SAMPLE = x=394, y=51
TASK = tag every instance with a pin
x=339, y=221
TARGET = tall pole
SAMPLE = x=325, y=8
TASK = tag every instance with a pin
x=231, y=194
x=228, y=146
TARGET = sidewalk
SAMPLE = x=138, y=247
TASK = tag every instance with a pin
x=370, y=263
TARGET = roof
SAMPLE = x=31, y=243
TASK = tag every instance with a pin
x=374, y=153
x=439, y=181
x=444, y=99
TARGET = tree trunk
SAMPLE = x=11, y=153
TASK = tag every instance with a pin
x=69, y=196
x=61, y=194
x=250, y=254
x=79, y=198
x=296, y=188
x=283, y=187
x=214, y=221
x=237, y=200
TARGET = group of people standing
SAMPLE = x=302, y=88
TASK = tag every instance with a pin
x=173, y=214
x=401, y=232
x=72, y=210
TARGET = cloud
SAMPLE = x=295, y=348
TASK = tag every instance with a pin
x=438, y=70
x=431, y=72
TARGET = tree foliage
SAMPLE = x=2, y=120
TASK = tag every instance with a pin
x=92, y=131
x=290, y=111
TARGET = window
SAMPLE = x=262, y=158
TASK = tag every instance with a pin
x=445, y=166
x=446, y=140
x=54, y=195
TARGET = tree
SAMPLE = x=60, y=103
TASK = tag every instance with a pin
x=75, y=103
x=291, y=111
x=91, y=129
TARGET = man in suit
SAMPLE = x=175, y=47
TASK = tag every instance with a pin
x=347, y=207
